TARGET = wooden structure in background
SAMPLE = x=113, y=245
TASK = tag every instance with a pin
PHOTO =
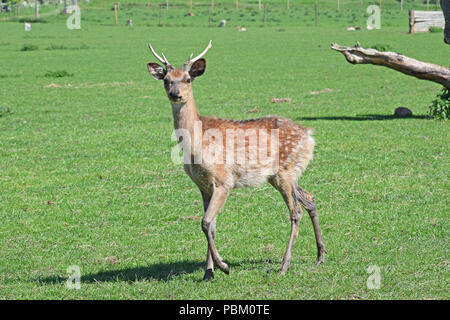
x=421, y=21
x=116, y=5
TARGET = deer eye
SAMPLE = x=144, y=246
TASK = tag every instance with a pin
x=189, y=80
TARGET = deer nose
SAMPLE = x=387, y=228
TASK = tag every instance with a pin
x=175, y=95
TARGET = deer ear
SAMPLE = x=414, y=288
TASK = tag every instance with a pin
x=198, y=68
x=156, y=70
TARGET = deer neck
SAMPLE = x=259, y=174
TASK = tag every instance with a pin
x=186, y=120
x=185, y=115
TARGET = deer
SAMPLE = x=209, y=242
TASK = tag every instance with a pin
x=202, y=139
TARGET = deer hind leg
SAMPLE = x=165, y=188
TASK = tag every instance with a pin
x=286, y=188
x=307, y=201
x=208, y=226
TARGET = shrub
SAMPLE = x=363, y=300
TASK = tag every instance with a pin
x=435, y=30
x=58, y=74
x=29, y=47
x=382, y=47
x=63, y=47
x=30, y=20
x=440, y=107
x=4, y=111
x=4, y=75
x=57, y=47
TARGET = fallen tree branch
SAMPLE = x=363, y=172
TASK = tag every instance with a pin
x=393, y=60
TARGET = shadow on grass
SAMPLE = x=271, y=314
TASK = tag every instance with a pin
x=364, y=117
x=160, y=272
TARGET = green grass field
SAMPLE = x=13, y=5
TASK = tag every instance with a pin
x=86, y=176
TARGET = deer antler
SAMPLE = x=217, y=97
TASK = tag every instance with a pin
x=191, y=61
x=163, y=60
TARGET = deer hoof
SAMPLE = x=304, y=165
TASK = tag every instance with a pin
x=321, y=256
x=209, y=274
x=224, y=267
x=320, y=259
x=284, y=268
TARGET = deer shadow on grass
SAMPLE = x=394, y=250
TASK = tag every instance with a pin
x=364, y=117
x=160, y=271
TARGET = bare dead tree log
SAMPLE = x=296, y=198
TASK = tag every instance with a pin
x=393, y=60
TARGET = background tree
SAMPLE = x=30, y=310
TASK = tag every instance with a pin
x=445, y=5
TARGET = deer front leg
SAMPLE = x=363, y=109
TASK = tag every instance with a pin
x=208, y=226
x=209, y=269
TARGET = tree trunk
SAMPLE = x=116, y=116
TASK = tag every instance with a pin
x=393, y=60
x=445, y=5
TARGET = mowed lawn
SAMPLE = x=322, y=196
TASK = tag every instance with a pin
x=86, y=176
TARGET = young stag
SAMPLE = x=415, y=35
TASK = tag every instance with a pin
x=210, y=152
